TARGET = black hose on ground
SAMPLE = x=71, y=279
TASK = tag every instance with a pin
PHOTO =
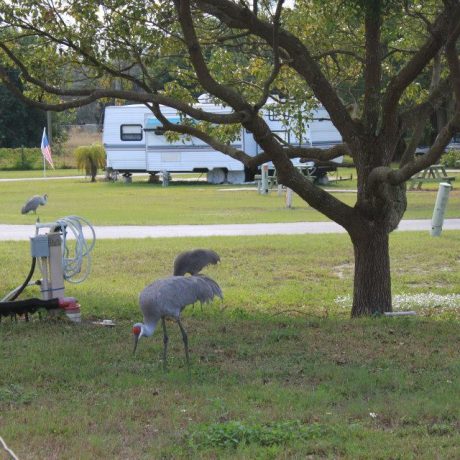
x=20, y=307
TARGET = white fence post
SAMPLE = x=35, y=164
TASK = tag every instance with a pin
x=440, y=208
x=264, y=178
x=288, y=198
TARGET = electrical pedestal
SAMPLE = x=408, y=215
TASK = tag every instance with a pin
x=47, y=250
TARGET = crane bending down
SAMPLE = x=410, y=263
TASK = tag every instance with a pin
x=33, y=203
x=194, y=261
x=167, y=297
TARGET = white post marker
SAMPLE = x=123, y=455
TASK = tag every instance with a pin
x=288, y=198
x=164, y=178
x=264, y=178
x=440, y=208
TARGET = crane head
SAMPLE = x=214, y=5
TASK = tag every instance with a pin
x=137, y=333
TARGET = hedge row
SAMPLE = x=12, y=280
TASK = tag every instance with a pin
x=28, y=158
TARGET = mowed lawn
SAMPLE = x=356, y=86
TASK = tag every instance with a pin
x=278, y=369
x=140, y=203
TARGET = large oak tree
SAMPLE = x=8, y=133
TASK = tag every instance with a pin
x=393, y=62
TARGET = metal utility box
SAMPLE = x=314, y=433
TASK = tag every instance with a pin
x=39, y=246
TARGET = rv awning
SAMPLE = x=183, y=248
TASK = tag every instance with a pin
x=153, y=123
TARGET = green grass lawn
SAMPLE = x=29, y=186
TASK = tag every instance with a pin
x=278, y=368
x=39, y=174
x=140, y=203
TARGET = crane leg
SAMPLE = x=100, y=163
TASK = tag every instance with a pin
x=165, y=344
x=185, y=339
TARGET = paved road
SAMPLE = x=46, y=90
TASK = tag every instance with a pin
x=24, y=232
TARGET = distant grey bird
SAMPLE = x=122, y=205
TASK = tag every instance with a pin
x=166, y=298
x=194, y=261
x=33, y=203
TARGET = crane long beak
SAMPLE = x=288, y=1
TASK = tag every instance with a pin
x=136, y=340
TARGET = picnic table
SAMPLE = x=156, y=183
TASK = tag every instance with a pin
x=434, y=173
x=272, y=180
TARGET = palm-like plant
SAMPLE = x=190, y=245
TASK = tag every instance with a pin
x=90, y=158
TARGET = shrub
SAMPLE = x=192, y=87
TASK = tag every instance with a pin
x=21, y=158
x=90, y=158
x=451, y=159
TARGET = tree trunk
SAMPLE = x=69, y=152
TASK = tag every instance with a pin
x=93, y=171
x=372, y=282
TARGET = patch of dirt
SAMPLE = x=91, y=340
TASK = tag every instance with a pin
x=343, y=270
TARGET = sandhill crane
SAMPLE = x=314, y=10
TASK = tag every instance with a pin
x=33, y=203
x=167, y=297
x=194, y=261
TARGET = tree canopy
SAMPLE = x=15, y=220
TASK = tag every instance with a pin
x=381, y=68
x=20, y=125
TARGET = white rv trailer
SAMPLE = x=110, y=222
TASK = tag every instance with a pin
x=323, y=133
x=134, y=143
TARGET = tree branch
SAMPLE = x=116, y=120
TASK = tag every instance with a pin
x=85, y=96
x=416, y=118
x=410, y=118
x=335, y=52
x=229, y=150
x=276, y=58
x=79, y=50
x=411, y=166
x=453, y=62
x=439, y=90
x=301, y=60
x=372, y=67
x=438, y=37
x=398, y=176
x=314, y=153
x=224, y=93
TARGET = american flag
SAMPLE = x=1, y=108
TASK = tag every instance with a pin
x=46, y=149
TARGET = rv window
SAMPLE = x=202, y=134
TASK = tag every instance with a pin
x=131, y=132
x=272, y=116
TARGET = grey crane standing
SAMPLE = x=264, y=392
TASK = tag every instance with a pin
x=167, y=297
x=33, y=203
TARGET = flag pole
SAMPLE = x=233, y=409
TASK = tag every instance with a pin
x=44, y=161
x=49, y=131
x=46, y=152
